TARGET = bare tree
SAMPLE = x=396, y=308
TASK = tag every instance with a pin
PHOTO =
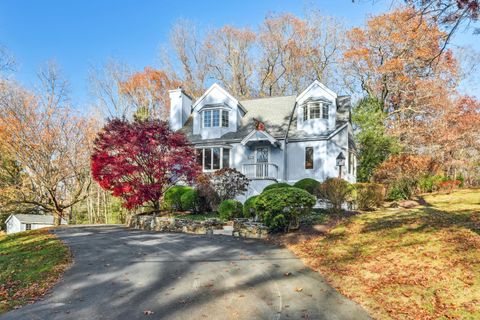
x=283, y=56
x=7, y=61
x=189, y=49
x=49, y=141
x=230, y=58
x=105, y=84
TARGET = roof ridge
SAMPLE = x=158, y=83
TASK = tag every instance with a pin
x=272, y=97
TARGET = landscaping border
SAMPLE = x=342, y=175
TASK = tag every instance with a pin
x=238, y=227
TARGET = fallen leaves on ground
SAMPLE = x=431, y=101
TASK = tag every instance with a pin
x=421, y=263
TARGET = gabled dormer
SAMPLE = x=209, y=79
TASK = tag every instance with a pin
x=216, y=113
x=316, y=109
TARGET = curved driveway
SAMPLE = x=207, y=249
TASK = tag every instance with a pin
x=120, y=273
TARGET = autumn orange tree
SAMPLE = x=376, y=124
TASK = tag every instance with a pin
x=147, y=92
x=48, y=141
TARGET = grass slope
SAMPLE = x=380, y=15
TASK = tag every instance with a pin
x=30, y=263
x=420, y=263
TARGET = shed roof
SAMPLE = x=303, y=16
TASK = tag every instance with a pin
x=36, y=219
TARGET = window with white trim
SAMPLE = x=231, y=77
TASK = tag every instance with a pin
x=213, y=158
x=325, y=110
x=315, y=110
x=28, y=226
x=214, y=118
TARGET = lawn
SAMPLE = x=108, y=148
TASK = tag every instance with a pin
x=419, y=263
x=30, y=263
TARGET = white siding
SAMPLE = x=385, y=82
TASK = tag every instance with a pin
x=13, y=225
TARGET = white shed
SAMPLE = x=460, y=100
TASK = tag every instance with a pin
x=22, y=222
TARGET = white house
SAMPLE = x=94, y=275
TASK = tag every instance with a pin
x=22, y=222
x=276, y=139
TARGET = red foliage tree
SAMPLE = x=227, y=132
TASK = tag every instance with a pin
x=138, y=161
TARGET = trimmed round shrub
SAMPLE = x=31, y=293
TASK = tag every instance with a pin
x=249, y=207
x=277, y=185
x=280, y=209
x=172, y=198
x=308, y=184
x=190, y=201
x=229, y=209
x=369, y=195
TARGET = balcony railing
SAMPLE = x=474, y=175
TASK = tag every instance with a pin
x=260, y=170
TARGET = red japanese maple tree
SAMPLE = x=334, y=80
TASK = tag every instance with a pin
x=138, y=161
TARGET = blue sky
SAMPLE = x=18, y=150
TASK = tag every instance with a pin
x=80, y=34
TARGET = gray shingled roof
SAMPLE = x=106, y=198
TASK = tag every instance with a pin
x=36, y=219
x=275, y=112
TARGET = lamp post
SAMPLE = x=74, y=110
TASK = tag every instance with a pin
x=340, y=163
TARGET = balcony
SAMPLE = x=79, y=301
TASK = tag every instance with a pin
x=266, y=171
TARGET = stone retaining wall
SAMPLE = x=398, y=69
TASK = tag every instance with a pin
x=241, y=227
x=248, y=229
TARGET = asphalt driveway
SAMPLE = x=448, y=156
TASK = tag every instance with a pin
x=120, y=273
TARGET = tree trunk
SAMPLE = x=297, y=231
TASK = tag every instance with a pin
x=57, y=218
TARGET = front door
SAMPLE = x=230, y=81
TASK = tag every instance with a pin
x=262, y=162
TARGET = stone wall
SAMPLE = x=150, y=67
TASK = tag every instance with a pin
x=147, y=222
x=248, y=229
x=241, y=227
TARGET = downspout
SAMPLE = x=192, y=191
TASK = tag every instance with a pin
x=285, y=153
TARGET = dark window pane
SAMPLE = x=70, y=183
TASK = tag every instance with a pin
x=308, y=158
x=305, y=113
x=325, y=110
x=314, y=111
x=207, y=159
x=216, y=118
x=226, y=158
x=225, y=118
x=216, y=158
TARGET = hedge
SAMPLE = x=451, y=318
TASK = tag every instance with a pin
x=276, y=185
x=172, y=198
x=309, y=185
x=249, y=207
x=189, y=200
x=281, y=208
x=229, y=209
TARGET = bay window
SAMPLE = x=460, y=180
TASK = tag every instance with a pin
x=315, y=110
x=213, y=158
x=214, y=118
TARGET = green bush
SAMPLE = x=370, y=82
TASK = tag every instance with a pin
x=402, y=189
x=249, y=207
x=190, y=201
x=229, y=209
x=172, y=198
x=429, y=183
x=308, y=184
x=276, y=185
x=280, y=209
x=336, y=191
x=369, y=195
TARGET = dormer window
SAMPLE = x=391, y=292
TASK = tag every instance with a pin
x=315, y=110
x=212, y=117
